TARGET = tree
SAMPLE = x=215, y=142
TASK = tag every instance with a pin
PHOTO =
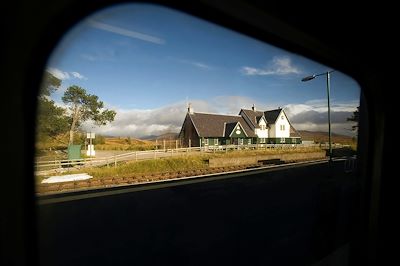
x=50, y=83
x=83, y=107
x=51, y=119
x=355, y=118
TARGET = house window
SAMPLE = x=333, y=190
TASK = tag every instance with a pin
x=282, y=117
x=240, y=141
x=215, y=141
x=294, y=140
x=282, y=140
x=262, y=140
x=205, y=141
x=249, y=141
x=282, y=127
x=262, y=127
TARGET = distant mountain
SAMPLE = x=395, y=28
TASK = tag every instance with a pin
x=149, y=137
x=169, y=135
x=319, y=136
x=166, y=136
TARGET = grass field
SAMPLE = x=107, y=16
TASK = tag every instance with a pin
x=175, y=164
x=126, y=144
x=55, y=148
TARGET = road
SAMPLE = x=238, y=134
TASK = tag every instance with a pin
x=294, y=216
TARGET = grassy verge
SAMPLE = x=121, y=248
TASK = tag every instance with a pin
x=278, y=150
x=162, y=165
x=174, y=164
x=155, y=166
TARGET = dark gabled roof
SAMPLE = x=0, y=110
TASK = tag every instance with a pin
x=230, y=127
x=294, y=133
x=215, y=125
x=272, y=115
x=254, y=116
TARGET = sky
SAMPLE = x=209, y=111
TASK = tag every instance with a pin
x=148, y=62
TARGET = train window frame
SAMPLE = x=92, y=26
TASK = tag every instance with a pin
x=23, y=199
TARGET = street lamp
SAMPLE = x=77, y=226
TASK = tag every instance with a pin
x=328, y=78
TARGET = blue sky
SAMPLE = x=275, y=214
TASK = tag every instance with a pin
x=146, y=62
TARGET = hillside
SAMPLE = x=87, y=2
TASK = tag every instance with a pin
x=125, y=143
x=168, y=136
x=319, y=137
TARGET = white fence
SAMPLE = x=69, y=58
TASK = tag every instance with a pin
x=154, y=154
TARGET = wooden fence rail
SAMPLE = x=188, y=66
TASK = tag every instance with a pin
x=154, y=154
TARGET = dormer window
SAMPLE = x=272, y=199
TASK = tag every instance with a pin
x=282, y=117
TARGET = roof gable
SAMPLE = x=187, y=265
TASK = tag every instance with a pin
x=215, y=125
x=294, y=133
x=272, y=115
x=234, y=130
x=253, y=116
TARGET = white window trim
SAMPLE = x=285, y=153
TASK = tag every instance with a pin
x=215, y=141
x=282, y=140
x=205, y=141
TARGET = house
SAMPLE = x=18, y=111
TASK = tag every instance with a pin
x=249, y=127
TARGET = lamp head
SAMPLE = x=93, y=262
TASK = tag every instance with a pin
x=308, y=78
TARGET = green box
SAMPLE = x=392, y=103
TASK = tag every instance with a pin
x=74, y=152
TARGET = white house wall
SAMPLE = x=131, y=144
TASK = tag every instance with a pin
x=281, y=122
x=272, y=131
x=262, y=133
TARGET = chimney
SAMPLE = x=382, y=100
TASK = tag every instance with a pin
x=253, y=108
x=190, y=109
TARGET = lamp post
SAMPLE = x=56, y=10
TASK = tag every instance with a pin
x=328, y=80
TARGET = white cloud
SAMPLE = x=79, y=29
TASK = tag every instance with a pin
x=125, y=32
x=59, y=73
x=141, y=123
x=201, y=65
x=194, y=63
x=279, y=65
x=78, y=75
x=313, y=116
x=64, y=75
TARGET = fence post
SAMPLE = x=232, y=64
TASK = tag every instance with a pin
x=135, y=155
x=115, y=161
